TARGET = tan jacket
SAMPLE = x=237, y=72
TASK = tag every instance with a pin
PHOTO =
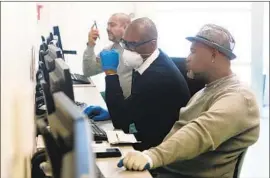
x=218, y=123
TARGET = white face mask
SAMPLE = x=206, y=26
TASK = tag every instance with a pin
x=132, y=59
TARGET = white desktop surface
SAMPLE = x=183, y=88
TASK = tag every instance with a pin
x=99, y=81
x=89, y=95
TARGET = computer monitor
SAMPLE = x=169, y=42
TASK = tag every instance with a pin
x=53, y=52
x=69, y=145
x=60, y=79
x=49, y=38
x=56, y=32
x=47, y=95
x=43, y=45
x=42, y=68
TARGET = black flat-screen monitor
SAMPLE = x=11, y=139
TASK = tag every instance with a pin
x=60, y=79
x=68, y=141
x=52, y=53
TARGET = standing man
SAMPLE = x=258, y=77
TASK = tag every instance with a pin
x=116, y=28
x=158, y=88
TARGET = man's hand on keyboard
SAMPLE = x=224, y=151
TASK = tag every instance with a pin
x=136, y=160
x=97, y=113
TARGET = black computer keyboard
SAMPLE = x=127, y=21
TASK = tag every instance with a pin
x=80, y=79
x=98, y=133
x=98, y=172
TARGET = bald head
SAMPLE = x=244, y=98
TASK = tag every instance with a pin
x=116, y=26
x=143, y=32
x=122, y=18
x=145, y=28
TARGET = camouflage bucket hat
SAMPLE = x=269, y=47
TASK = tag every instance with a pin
x=216, y=37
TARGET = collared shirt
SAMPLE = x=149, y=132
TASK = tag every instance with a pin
x=148, y=61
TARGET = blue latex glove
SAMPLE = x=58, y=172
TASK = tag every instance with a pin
x=136, y=160
x=97, y=113
x=109, y=59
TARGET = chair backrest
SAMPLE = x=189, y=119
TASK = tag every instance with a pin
x=194, y=85
x=37, y=159
x=239, y=164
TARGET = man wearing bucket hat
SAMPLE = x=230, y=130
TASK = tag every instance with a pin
x=218, y=124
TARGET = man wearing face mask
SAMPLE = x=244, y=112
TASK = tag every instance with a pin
x=218, y=124
x=115, y=28
x=158, y=88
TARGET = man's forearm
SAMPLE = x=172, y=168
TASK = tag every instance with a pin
x=185, y=144
x=209, y=130
x=90, y=65
x=116, y=103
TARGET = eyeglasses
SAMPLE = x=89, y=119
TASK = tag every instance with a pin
x=132, y=45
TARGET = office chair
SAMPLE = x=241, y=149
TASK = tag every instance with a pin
x=37, y=159
x=239, y=164
x=194, y=85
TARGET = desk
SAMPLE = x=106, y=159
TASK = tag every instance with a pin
x=88, y=94
x=108, y=166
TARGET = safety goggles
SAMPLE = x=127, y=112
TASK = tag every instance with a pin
x=133, y=45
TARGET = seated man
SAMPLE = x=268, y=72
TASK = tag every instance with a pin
x=219, y=123
x=158, y=88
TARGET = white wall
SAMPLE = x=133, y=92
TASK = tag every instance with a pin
x=266, y=53
x=257, y=37
x=177, y=20
x=18, y=34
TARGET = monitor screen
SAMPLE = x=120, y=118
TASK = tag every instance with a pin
x=71, y=131
x=58, y=42
x=49, y=38
x=52, y=53
x=47, y=96
x=56, y=32
x=43, y=45
x=42, y=67
x=60, y=79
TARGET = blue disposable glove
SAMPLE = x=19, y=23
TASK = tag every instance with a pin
x=109, y=60
x=97, y=113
